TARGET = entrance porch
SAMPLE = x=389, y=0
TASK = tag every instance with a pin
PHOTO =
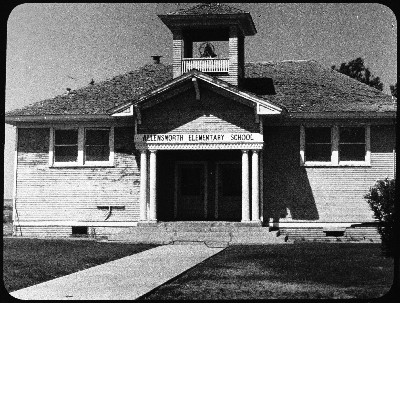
x=201, y=185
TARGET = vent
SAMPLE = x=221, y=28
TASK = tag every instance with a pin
x=156, y=59
x=79, y=230
x=334, y=233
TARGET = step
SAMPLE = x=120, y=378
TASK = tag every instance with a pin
x=252, y=238
x=202, y=236
x=219, y=236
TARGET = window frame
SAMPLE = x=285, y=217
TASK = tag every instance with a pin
x=81, y=147
x=367, y=137
x=110, y=144
x=311, y=163
x=75, y=129
x=335, y=162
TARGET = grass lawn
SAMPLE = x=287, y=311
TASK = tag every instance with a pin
x=27, y=262
x=291, y=271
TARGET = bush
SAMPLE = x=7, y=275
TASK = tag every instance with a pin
x=7, y=213
x=381, y=201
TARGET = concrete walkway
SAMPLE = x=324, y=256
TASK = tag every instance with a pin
x=123, y=279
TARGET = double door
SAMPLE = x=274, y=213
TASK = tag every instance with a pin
x=207, y=191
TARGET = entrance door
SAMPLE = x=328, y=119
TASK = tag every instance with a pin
x=228, y=194
x=191, y=190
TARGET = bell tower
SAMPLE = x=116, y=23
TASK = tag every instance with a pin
x=210, y=38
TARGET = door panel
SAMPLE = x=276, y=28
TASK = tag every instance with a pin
x=229, y=193
x=191, y=191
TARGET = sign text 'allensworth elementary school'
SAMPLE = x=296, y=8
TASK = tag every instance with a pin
x=199, y=138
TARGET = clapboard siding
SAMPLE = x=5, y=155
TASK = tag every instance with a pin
x=212, y=114
x=233, y=75
x=43, y=231
x=177, y=53
x=324, y=194
x=54, y=194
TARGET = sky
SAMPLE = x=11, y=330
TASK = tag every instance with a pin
x=52, y=46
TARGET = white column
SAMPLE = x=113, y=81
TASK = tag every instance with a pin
x=143, y=185
x=255, y=186
x=245, y=187
x=153, y=186
x=262, y=186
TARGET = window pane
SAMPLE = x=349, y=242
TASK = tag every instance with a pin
x=318, y=135
x=66, y=136
x=352, y=152
x=97, y=136
x=97, y=153
x=65, y=153
x=352, y=135
x=318, y=152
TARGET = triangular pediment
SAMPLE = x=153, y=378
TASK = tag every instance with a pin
x=193, y=80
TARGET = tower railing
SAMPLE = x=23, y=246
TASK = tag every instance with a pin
x=206, y=64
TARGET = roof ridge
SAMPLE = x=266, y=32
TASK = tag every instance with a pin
x=211, y=6
x=282, y=61
x=357, y=82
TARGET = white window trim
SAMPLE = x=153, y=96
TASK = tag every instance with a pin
x=81, y=149
x=367, y=161
x=110, y=143
x=335, y=162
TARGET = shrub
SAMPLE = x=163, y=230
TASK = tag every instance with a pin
x=7, y=213
x=381, y=201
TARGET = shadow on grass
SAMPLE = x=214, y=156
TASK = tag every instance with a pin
x=306, y=271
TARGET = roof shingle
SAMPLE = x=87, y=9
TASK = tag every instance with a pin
x=308, y=86
x=300, y=86
x=208, y=8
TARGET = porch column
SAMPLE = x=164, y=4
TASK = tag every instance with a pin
x=143, y=185
x=255, y=187
x=245, y=187
x=153, y=187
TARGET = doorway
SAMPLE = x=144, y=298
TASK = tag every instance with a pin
x=228, y=191
x=191, y=190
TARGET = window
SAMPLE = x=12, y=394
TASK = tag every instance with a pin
x=66, y=145
x=97, y=145
x=352, y=144
x=80, y=147
x=335, y=146
x=318, y=144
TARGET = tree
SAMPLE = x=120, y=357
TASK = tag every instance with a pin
x=381, y=199
x=393, y=89
x=357, y=70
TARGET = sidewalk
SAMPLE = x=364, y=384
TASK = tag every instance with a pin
x=125, y=279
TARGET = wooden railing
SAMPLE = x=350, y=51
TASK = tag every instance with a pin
x=205, y=64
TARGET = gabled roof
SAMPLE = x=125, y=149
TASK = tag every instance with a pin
x=300, y=86
x=225, y=88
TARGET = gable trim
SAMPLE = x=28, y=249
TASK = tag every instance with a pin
x=124, y=111
x=263, y=107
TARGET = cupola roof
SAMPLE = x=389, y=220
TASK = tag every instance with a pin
x=210, y=14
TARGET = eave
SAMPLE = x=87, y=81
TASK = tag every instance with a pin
x=243, y=20
x=344, y=115
x=13, y=120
